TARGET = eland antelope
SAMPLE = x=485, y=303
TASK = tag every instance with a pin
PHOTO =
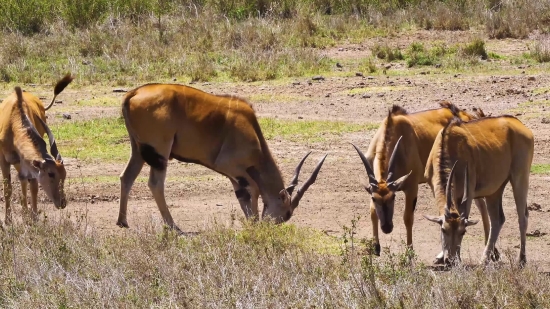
x=487, y=153
x=396, y=159
x=22, y=126
x=166, y=121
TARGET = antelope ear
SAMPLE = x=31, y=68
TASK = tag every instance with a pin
x=38, y=164
x=366, y=184
x=290, y=189
x=438, y=220
x=285, y=197
x=398, y=184
x=471, y=222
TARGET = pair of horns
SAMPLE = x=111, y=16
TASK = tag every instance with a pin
x=27, y=123
x=294, y=182
x=449, y=192
x=391, y=167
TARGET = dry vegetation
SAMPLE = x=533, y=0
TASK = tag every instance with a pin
x=64, y=263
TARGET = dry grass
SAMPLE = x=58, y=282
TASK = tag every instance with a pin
x=58, y=264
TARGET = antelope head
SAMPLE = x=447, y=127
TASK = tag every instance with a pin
x=383, y=192
x=285, y=204
x=453, y=225
x=51, y=171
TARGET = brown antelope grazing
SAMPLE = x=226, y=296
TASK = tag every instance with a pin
x=22, y=125
x=166, y=121
x=488, y=153
x=404, y=170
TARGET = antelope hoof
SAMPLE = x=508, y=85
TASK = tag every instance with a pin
x=377, y=249
x=495, y=256
x=522, y=260
x=439, y=261
x=122, y=223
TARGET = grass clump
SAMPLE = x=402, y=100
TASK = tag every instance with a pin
x=540, y=51
x=418, y=55
x=367, y=65
x=387, y=53
x=475, y=48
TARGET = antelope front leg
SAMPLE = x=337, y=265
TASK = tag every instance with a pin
x=34, y=199
x=482, y=207
x=408, y=216
x=374, y=220
x=494, y=205
x=5, y=167
x=249, y=207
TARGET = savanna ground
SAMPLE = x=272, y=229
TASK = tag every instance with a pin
x=318, y=91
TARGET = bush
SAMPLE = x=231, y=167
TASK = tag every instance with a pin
x=475, y=48
x=387, y=53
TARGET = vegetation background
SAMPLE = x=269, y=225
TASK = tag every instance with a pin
x=61, y=264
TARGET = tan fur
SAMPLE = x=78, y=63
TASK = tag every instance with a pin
x=220, y=132
x=27, y=152
x=419, y=131
x=496, y=150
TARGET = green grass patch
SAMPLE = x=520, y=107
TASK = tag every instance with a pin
x=102, y=139
x=376, y=89
x=106, y=139
x=308, y=130
x=277, y=98
x=102, y=101
x=540, y=168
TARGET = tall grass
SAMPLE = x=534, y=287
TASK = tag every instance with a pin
x=128, y=41
x=60, y=263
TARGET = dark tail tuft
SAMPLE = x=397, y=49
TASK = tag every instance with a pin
x=62, y=83
x=152, y=157
x=453, y=108
x=398, y=110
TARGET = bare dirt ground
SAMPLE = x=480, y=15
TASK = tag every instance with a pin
x=199, y=196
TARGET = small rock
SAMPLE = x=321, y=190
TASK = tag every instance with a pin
x=338, y=65
x=536, y=233
x=545, y=120
x=174, y=79
x=391, y=82
x=423, y=73
x=218, y=204
x=361, y=84
x=327, y=95
x=205, y=84
x=300, y=117
x=438, y=65
x=67, y=116
x=309, y=82
x=296, y=83
x=359, y=74
x=119, y=90
x=340, y=49
x=534, y=207
x=380, y=95
x=370, y=77
x=387, y=67
x=366, y=96
x=86, y=62
x=318, y=78
x=456, y=75
x=531, y=78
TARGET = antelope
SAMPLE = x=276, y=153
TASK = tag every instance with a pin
x=22, y=126
x=404, y=170
x=491, y=152
x=220, y=132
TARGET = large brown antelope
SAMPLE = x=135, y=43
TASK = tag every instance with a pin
x=166, y=121
x=22, y=126
x=489, y=153
x=396, y=159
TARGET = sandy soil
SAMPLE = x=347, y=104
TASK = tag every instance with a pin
x=199, y=196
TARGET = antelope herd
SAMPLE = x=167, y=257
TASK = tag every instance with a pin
x=462, y=156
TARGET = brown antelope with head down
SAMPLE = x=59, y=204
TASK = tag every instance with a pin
x=485, y=155
x=22, y=126
x=396, y=159
x=166, y=121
